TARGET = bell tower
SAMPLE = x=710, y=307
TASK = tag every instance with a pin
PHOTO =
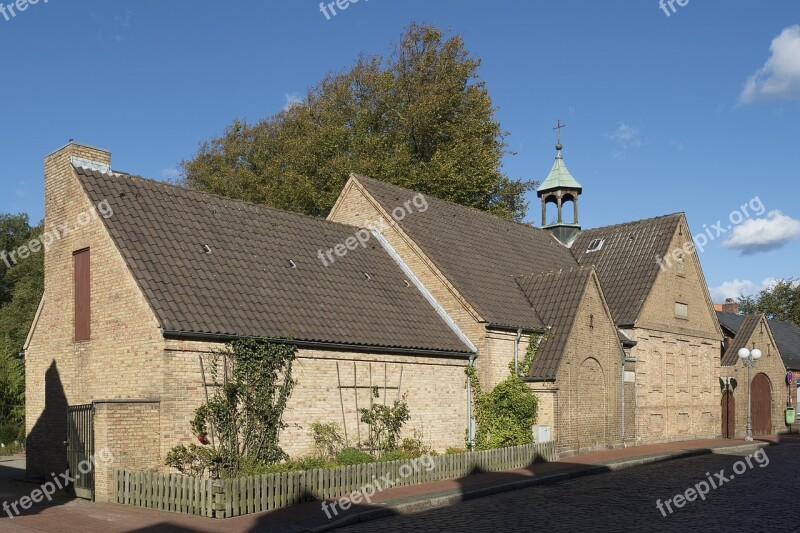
x=561, y=189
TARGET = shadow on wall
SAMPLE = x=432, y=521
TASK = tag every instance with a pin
x=45, y=448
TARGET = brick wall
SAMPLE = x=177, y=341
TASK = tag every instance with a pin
x=773, y=367
x=589, y=398
x=125, y=433
x=677, y=386
x=357, y=208
x=123, y=358
x=434, y=388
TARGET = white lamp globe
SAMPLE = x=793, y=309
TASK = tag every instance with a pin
x=744, y=353
x=756, y=354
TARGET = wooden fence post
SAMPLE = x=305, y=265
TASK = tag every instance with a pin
x=218, y=489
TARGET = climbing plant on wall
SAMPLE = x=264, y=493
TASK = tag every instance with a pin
x=506, y=414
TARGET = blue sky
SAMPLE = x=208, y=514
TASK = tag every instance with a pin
x=697, y=111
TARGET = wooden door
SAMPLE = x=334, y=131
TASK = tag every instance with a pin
x=728, y=415
x=762, y=405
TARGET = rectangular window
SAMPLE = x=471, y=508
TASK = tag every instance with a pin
x=83, y=295
x=681, y=310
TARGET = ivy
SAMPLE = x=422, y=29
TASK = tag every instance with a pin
x=240, y=423
x=505, y=415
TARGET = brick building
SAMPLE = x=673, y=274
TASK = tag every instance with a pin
x=772, y=390
x=139, y=293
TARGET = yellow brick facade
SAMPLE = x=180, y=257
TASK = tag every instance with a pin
x=771, y=365
x=677, y=359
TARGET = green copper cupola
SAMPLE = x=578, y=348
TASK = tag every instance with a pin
x=560, y=188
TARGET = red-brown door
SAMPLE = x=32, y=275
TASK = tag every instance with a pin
x=762, y=405
x=728, y=416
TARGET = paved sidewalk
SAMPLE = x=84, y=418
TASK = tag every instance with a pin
x=101, y=517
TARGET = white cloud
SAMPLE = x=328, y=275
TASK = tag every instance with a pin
x=736, y=288
x=626, y=137
x=780, y=75
x=292, y=99
x=763, y=234
x=171, y=173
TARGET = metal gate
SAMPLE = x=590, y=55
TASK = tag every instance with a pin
x=80, y=449
x=762, y=405
x=728, y=416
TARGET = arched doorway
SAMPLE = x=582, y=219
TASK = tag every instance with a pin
x=762, y=405
x=728, y=415
x=592, y=422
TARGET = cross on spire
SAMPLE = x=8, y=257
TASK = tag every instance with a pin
x=558, y=127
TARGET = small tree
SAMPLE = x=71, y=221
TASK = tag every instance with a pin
x=242, y=420
x=385, y=424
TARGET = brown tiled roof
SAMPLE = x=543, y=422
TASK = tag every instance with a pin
x=786, y=335
x=626, y=262
x=246, y=285
x=556, y=296
x=746, y=329
x=480, y=254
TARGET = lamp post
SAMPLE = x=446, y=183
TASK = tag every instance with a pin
x=749, y=359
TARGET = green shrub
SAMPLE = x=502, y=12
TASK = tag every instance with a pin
x=397, y=455
x=11, y=449
x=505, y=415
x=414, y=448
x=385, y=424
x=189, y=461
x=452, y=450
x=10, y=433
x=328, y=440
x=311, y=463
x=353, y=456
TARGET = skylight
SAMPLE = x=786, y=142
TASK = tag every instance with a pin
x=595, y=245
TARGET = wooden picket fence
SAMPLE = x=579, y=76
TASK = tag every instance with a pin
x=226, y=498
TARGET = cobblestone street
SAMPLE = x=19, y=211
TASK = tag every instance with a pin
x=761, y=498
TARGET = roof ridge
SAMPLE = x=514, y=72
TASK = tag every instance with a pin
x=456, y=204
x=211, y=194
x=611, y=226
x=554, y=272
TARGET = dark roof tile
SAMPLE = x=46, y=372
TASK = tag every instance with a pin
x=245, y=287
x=479, y=253
x=626, y=262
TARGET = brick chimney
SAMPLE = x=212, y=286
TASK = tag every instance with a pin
x=730, y=306
x=63, y=195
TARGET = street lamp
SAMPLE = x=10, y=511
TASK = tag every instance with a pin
x=749, y=359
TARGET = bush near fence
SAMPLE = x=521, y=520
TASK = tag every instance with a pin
x=226, y=498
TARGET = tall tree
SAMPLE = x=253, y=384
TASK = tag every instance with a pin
x=780, y=301
x=420, y=118
x=21, y=288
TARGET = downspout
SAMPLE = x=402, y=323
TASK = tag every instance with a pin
x=623, y=398
x=625, y=359
x=516, y=352
x=470, y=428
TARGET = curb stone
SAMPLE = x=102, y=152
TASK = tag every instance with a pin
x=427, y=503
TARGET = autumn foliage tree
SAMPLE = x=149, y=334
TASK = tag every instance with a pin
x=779, y=301
x=420, y=118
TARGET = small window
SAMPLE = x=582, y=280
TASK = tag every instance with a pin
x=681, y=310
x=595, y=245
x=83, y=295
x=681, y=266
